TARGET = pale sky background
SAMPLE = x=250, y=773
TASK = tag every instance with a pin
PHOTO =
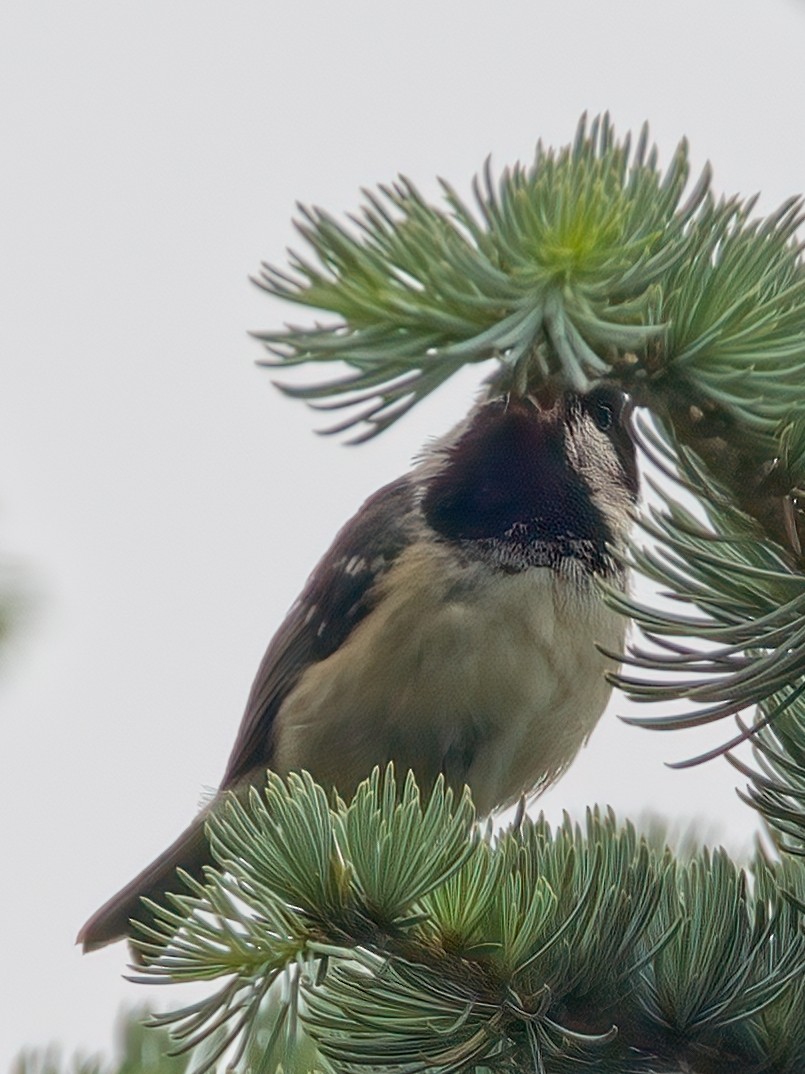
x=165, y=503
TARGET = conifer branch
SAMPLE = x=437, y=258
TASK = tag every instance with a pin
x=531, y=949
x=591, y=263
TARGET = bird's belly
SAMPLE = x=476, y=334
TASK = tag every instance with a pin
x=495, y=681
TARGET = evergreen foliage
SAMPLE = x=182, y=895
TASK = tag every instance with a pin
x=524, y=950
x=592, y=264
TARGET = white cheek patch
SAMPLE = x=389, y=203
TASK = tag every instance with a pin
x=592, y=455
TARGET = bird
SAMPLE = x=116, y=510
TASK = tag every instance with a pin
x=455, y=626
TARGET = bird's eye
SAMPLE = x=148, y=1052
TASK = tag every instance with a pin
x=602, y=416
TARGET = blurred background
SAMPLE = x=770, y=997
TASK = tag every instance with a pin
x=160, y=503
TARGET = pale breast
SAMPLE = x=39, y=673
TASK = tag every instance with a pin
x=491, y=678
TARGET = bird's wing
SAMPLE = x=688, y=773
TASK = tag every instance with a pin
x=339, y=593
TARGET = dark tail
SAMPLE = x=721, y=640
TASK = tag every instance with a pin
x=190, y=852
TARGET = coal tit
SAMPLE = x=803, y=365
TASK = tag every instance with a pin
x=451, y=627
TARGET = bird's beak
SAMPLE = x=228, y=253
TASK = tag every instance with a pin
x=546, y=399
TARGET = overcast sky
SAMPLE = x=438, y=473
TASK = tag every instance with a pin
x=164, y=503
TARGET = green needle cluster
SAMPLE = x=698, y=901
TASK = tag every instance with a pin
x=532, y=949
